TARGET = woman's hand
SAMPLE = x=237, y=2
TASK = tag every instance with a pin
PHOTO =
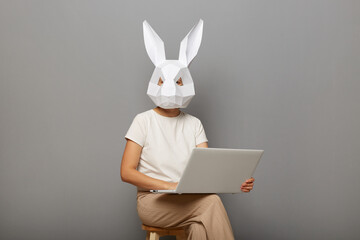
x=248, y=185
x=172, y=185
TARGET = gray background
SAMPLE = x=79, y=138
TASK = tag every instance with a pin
x=282, y=76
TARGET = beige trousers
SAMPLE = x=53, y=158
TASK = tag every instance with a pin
x=202, y=215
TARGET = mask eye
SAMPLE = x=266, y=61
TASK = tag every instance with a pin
x=160, y=82
x=179, y=82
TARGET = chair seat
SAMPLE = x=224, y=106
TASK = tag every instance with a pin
x=179, y=232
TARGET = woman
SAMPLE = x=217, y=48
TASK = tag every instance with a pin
x=159, y=135
x=159, y=143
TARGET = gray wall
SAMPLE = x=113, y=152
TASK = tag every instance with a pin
x=278, y=75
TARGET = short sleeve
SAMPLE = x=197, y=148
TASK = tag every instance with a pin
x=137, y=131
x=200, y=135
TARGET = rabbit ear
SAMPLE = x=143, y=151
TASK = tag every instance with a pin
x=190, y=45
x=153, y=44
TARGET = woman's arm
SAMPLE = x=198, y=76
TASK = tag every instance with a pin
x=130, y=174
x=203, y=145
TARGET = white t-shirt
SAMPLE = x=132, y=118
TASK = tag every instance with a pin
x=167, y=142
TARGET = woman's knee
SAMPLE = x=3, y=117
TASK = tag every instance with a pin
x=214, y=198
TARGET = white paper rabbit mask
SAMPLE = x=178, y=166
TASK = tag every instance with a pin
x=171, y=84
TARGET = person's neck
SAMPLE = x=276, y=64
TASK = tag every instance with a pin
x=167, y=112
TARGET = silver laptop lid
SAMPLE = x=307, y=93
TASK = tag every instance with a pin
x=218, y=170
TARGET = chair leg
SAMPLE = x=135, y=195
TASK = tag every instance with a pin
x=152, y=236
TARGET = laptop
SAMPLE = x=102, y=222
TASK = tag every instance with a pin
x=216, y=170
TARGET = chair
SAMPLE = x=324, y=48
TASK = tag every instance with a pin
x=154, y=233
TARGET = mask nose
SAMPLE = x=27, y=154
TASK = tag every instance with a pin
x=168, y=88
